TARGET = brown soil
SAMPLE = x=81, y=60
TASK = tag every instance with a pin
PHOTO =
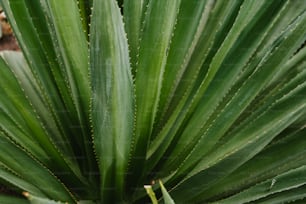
x=8, y=42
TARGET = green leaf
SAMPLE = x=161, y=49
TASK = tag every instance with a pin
x=265, y=165
x=246, y=93
x=149, y=75
x=218, y=13
x=113, y=98
x=16, y=111
x=41, y=73
x=35, y=173
x=191, y=25
x=70, y=42
x=59, y=74
x=295, y=195
x=25, y=127
x=187, y=59
x=114, y=94
x=12, y=177
x=85, y=12
x=134, y=13
x=39, y=200
x=12, y=200
x=86, y=202
x=242, y=146
x=72, y=45
x=191, y=126
x=283, y=182
x=167, y=198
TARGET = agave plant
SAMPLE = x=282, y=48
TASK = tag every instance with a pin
x=204, y=97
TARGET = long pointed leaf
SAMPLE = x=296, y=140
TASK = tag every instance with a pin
x=243, y=96
x=35, y=173
x=112, y=104
x=212, y=90
x=219, y=13
x=12, y=200
x=166, y=197
x=29, y=132
x=243, y=148
x=159, y=24
x=134, y=13
x=286, y=181
x=16, y=180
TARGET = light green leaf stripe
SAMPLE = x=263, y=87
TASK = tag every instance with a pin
x=113, y=98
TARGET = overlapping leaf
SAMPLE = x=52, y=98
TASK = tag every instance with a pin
x=113, y=95
x=113, y=102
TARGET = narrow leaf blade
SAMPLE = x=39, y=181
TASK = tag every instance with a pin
x=112, y=103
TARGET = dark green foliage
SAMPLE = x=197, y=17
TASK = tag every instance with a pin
x=204, y=97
